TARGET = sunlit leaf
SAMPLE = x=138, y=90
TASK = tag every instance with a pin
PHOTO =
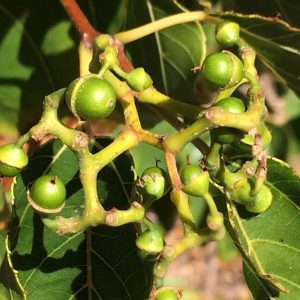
x=270, y=242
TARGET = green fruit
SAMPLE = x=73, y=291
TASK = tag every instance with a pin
x=195, y=181
x=231, y=104
x=12, y=160
x=227, y=33
x=47, y=194
x=153, y=184
x=150, y=241
x=225, y=135
x=223, y=69
x=261, y=201
x=90, y=97
x=138, y=79
x=166, y=293
x=241, y=191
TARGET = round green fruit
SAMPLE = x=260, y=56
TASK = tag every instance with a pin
x=166, y=293
x=47, y=194
x=90, y=97
x=231, y=104
x=195, y=181
x=241, y=191
x=261, y=201
x=150, y=241
x=227, y=33
x=12, y=160
x=223, y=69
x=153, y=184
x=138, y=79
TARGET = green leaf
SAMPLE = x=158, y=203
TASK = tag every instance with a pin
x=37, y=56
x=270, y=242
x=169, y=55
x=286, y=10
x=101, y=263
x=276, y=44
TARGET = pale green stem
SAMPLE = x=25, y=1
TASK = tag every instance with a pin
x=211, y=204
x=176, y=141
x=181, y=201
x=93, y=210
x=128, y=36
x=153, y=96
x=126, y=140
x=135, y=213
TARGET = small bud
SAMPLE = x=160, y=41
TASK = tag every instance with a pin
x=138, y=79
x=227, y=33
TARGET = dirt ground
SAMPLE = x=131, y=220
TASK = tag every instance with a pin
x=201, y=271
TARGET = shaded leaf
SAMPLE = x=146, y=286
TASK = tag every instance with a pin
x=276, y=43
x=287, y=10
x=168, y=56
x=101, y=263
x=270, y=242
x=37, y=57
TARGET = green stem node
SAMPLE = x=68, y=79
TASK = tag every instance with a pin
x=135, y=213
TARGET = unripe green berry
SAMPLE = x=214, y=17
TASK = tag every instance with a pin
x=227, y=33
x=261, y=201
x=150, y=241
x=224, y=135
x=153, y=184
x=90, y=97
x=195, y=181
x=12, y=160
x=241, y=191
x=231, y=104
x=138, y=79
x=223, y=69
x=166, y=293
x=47, y=194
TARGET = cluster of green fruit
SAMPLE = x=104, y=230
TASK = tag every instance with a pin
x=225, y=70
x=92, y=97
x=89, y=97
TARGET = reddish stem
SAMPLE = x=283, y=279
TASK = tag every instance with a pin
x=86, y=30
x=172, y=169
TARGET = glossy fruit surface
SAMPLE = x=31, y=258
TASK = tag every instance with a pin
x=153, y=183
x=166, y=293
x=12, y=160
x=150, y=241
x=138, y=79
x=261, y=202
x=222, y=69
x=227, y=33
x=231, y=104
x=90, y=97
x=195, y=181
x=47, y=194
